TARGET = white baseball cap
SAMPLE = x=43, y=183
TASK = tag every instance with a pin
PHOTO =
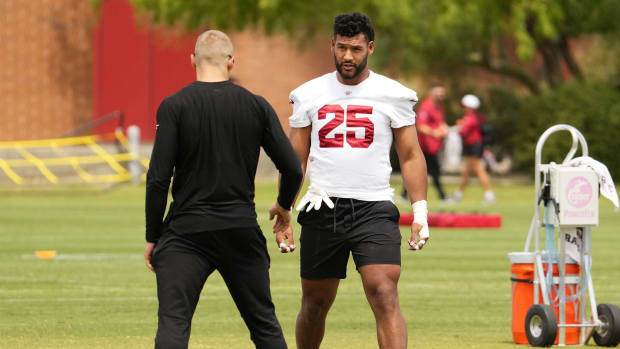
x=470, y=101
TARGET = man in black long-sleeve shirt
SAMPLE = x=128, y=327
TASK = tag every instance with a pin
x=208, y=138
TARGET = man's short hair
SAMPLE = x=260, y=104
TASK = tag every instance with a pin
x=351, y=24
x=434, y=84
x=213, y=47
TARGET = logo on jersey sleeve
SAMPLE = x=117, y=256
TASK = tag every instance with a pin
x=353, y=118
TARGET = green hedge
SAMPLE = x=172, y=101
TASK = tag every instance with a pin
x=593, y=108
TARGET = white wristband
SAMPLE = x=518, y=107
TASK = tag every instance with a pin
x=420, y=212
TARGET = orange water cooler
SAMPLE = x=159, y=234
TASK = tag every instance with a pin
x=522, y=277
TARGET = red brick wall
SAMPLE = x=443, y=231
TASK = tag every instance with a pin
x=51, y=66
x=45, y=67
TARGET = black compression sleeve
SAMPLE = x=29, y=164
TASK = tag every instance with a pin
x=160, y=170
x=279, y=149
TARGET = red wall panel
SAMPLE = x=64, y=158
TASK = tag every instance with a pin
x=170, y=68
x=135, y=67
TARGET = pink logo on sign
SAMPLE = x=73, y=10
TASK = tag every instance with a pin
x=579, y=192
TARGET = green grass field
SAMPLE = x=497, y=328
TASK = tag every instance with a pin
x=97, y=293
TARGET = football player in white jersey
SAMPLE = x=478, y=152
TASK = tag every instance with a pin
x=342, y=128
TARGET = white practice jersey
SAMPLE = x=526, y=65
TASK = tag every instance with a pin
x=352, y=132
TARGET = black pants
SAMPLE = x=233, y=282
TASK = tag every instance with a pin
x=183, y=262
x=432, y=167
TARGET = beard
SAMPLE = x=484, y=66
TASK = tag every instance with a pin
x=359, y=68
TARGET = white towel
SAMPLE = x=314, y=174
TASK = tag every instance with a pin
x=608, y=189
x=452, y=148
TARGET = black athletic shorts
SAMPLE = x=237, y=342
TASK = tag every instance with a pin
x=473, y=150
x=367, y=229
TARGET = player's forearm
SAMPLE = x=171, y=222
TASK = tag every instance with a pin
x=303, y=178
x=158, y=180
x=413, y=170
x=412, y=163
x=300, y=140
x=160, y=171
x=465, y=128
x=424, y=129
x=301, y=182
x=290, y=183
x=155, y=207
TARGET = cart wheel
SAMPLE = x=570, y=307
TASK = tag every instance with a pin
x=541, y=326
x=608, y=335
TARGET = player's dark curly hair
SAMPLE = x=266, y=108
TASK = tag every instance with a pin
x=351, y=24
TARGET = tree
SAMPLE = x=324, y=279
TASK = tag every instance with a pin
x=450, y=36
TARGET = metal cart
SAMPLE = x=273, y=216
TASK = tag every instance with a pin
x=568, y=199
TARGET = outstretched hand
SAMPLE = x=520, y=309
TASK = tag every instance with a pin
x=282, y=228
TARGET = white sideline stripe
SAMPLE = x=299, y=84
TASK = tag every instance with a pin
x=89, y=299
x=106, y=299
x=89, y=256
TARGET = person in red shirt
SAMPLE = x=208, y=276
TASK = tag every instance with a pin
x=472, y=148
x=432, y=129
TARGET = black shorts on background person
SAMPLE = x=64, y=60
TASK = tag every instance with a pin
x=473, y=150
x=209, y=135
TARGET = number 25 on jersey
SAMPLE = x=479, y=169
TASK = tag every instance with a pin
x=351, y=119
